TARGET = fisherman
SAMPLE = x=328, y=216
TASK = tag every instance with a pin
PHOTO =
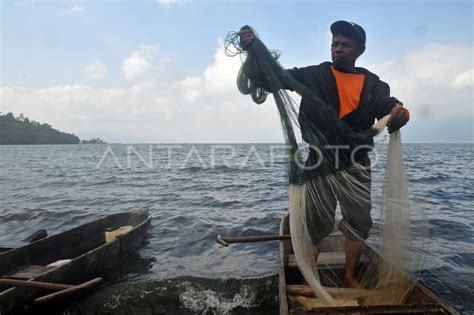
x=359, y=97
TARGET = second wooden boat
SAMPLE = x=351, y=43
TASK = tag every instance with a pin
x=296, y=298
x=70, y=258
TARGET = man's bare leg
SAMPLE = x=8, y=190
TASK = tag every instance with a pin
x=316, y=250
x=353, y=251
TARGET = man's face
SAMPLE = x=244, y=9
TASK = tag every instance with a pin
x=344, y=51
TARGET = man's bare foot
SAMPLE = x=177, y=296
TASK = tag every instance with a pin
x=351, y=283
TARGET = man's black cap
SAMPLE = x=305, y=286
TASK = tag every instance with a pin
x=349, y=29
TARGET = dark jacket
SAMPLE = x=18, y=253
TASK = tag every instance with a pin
x=375, y=101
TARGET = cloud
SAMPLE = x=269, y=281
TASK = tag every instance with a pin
x=206, y=108
x=75, y=9
x=464, y=80
x=217, y=80
x=96, y=70
x=328, y=39
x=433, y=82
x=141, y=63
x=22, y=2
x=169, y=2
x=191, y=88
x=220, y=77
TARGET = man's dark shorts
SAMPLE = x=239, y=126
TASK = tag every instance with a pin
x=354, y=199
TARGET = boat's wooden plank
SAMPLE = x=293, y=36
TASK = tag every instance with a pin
x=284, y=247
x=333, y=259
x=28, y=272
x=302, y=301
x=374, y=309
x=309, y=303
x=337, y=292
x=342, y=296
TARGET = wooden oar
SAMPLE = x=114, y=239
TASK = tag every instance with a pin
x=245, y=239
x=68, y=291
x=63, y=289
x=34, y=284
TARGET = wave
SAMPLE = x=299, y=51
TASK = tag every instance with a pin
x=184, y=295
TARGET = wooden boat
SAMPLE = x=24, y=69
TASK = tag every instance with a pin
x=84, y=249
x=293, y=293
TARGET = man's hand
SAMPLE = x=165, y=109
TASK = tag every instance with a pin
x=399, y=116
x=246, y=36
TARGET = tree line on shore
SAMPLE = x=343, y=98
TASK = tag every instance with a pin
x=22, y=130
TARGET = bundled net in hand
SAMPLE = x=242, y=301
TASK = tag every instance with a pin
x=312, y=190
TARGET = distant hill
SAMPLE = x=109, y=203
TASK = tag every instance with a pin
x=21, y=130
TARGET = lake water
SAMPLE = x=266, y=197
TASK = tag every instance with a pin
x=194, y=193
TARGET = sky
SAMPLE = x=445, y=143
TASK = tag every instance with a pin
x=156, y=71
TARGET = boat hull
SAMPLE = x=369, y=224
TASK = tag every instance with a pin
x=85, y=246
x=419, y=301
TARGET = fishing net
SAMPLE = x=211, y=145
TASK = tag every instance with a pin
x=330, y=172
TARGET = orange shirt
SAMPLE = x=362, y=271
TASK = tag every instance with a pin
x=349, y=88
